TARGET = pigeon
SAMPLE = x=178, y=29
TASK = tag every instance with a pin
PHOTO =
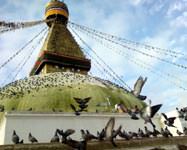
x=83, y=134
x=79, y=145
x=90, y=136
x=158, y=148
x=148, y=133
x=87, y=136
x=116, y=132
x=132, y=135
x=164, y=134
x=179, y=133
x=138, y=88
x=124, y=135
x=149, y=113
x=142, y=97
x=101, y=135
x=65, y=134
x=15, y=138
x=77, y=113
x=83, y=107
x=133, y=115
x=181, y=147
x=185, y=117
x=140, y=133
x=168, y=132
x=169, y=121
x=32, y=139
x=109, y=131
x=55, y=138
x=185, y=131
x=155, y=132
x=82, y=103
x=180, y=112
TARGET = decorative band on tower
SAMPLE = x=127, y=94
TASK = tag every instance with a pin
x=57, y=10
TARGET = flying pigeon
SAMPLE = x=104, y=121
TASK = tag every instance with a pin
x=138, y=88
x=149, y=113
x=169, y=121
x=77, y=113
x=109, y=130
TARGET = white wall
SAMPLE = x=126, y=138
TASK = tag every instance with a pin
x=43, y=126
x=2, y=130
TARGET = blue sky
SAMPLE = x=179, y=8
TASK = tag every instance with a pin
x=161, y=23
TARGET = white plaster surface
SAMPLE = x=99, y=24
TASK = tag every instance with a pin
x=42, y=126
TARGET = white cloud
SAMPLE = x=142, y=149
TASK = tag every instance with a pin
x=180, y=21
x=175, y=7
x=136, y=2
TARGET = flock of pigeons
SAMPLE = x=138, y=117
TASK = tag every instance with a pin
x=57, y=79
x=108, y=133
x=182, y=113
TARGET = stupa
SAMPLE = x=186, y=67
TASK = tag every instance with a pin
x=42, y=101
x=61, y=73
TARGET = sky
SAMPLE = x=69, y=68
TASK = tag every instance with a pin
x=160, y=23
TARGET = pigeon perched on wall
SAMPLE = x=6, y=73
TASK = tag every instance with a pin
x=179, y=133
x=140, y=133
x=78, y=145
x=155, y=132
x=123, y=134
x=164, y=133
x=181, y=147
x=101, y=135
x=148, y=133
x=169, y=121
x=65, y=134
x=90, y=136
x=168, y=132
x=15, y=138
x=149, y=113
x=185, y=131
x=32, y=139
x=55, y=138
x=87, y=136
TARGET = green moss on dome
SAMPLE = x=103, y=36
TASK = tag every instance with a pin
x=56, y=91
x=60, y=98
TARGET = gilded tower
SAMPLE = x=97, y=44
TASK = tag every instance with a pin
x=60, y=52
